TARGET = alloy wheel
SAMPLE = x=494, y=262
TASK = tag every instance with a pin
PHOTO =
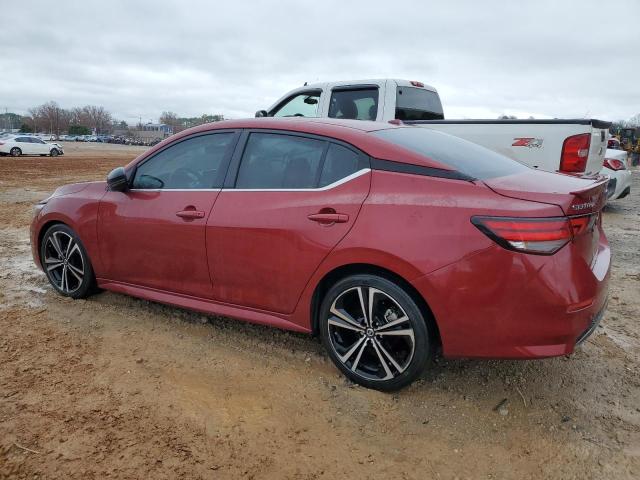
x=64, y=262
x=370, y=333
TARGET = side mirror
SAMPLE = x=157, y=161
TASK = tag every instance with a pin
x=117, y=180
x=261, y=113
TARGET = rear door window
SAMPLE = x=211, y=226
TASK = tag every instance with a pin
x=357, y=104
x=339, y=163
x=277, y=161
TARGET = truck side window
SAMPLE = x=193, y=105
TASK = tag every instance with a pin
x=301, y=105
x=358, y=104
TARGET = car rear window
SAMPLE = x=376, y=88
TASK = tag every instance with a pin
x=414, y=103
x=463, y=156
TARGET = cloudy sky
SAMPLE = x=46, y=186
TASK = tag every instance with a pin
x=542, y=58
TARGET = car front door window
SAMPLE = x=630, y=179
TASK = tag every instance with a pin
x=194, y=163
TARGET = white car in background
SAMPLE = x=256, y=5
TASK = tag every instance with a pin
x=615, y=167
x=16, y=145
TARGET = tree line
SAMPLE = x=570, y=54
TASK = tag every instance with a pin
x=180, y=123
x=51, y=118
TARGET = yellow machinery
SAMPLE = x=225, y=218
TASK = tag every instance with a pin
x=630, y=141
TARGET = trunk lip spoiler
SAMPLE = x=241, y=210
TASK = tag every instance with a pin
x=599, y=181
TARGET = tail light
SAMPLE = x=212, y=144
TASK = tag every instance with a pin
x=575, y=152
x=614, y=164
x=542, y=236
x=416, y=84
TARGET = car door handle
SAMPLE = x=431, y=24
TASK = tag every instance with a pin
x=329, y=217
x=189, y=214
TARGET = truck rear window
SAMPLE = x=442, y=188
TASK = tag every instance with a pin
x=417, y=104
x=463, y=156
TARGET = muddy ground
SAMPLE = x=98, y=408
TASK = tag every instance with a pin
x=115, y=387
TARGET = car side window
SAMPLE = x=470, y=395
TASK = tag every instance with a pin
x=194, y=163
x=357, y=104
x=279, y=161
x=302, y=105
x=22, y=140
x=339, y=163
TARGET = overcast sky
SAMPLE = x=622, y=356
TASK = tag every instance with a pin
x=546, y=59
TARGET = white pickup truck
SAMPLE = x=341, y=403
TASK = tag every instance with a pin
x=569, y=146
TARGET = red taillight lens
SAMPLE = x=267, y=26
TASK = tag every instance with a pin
x=542, y=236
x=575, y=152
x=614, y=164
x=416, y=84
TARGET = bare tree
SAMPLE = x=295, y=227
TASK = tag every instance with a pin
x=171, y=119
x=93, y=117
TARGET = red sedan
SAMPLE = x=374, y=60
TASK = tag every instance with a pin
x=390, y=242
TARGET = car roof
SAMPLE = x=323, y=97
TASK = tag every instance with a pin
x=353, y=132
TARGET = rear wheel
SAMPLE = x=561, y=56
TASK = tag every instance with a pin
x=66, y=263
x=15, y=152
x=374, y=332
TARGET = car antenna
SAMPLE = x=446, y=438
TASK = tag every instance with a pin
x=305, y=84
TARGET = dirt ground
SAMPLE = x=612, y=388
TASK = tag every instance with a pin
x=116, y=387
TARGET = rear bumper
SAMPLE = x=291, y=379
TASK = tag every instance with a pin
x=502, y=304
x=595, y=321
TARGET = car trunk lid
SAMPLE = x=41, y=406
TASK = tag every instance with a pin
x=580, y=198
x=574, y=195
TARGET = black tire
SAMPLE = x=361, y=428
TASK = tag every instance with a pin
x=54, y=152
x=15, y=152
x=66, y=263
x=376, y=354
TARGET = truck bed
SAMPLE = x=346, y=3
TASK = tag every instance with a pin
x=537, y=143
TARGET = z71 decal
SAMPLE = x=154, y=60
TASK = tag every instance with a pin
x=528, y=142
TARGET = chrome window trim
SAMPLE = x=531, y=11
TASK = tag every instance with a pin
x=174, y=190
x=335, y=184
x=318, y=189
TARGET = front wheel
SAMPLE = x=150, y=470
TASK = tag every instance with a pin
x=66, y=263
x=374, y=332
x=54, y=152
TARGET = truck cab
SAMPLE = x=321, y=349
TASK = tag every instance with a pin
x=375, y=100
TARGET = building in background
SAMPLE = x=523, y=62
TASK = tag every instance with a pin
x=152, y=131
